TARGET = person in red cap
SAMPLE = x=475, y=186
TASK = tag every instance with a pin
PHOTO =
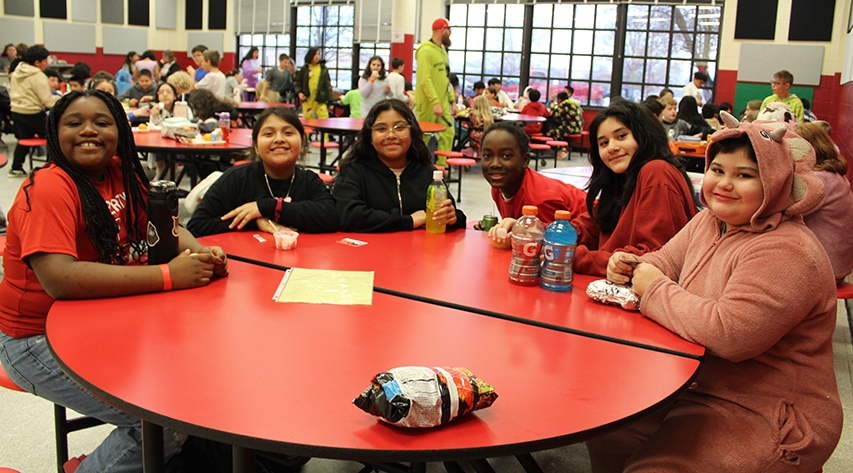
x=433, y=96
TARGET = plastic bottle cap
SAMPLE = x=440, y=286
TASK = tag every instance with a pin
x=562, y=215
x=529, y=210
x=437, y=175
x=501, y=233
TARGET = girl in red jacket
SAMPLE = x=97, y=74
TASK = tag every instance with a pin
x=644, y=195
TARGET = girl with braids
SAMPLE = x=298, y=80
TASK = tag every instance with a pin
x=384, y=178
x=84, y=215
x=644, y=195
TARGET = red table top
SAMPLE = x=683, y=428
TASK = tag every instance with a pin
x=251, y=106
x=225, y=361
x=459, y=267
x=240, y=139
x=350, y=124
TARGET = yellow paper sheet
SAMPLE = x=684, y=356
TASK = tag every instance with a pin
x=321, y=286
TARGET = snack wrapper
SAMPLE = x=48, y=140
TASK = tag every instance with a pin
x=611, y=293
x=421, y=396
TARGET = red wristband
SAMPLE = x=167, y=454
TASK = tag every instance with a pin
x=167, y=277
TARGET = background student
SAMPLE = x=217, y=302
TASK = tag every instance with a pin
x=373, y=85
x=31, y=96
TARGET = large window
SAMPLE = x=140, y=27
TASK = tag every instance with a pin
x=573, y=44
x=576, y=43
x=329, y=27
x=666, y=45
x=486, y=42
x=544, y=45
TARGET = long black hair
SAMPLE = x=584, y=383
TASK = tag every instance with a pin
x=688, y=110
x=367, y=70
x=363, y=148
x=101, y=226
x=309, y=56
x=248, y=55
x=616, y=189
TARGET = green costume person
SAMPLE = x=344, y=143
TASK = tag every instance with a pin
x=432, y=89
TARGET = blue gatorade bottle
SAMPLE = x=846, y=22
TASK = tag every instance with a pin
x=558, y=248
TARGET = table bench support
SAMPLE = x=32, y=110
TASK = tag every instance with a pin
x=152, y=448
x=243, y=460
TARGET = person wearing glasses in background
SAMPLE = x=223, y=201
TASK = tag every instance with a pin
x=383, y=182
x=781, y=84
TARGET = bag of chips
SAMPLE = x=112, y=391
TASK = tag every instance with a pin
x=420, y=396
x=612, y=293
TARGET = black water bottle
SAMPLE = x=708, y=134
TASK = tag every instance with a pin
x=162, y=222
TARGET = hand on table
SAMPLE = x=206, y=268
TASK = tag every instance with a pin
x=418, y=219
x=445, y=215
x=267, y=225
x=146, y=98
x=218, y=258
x=191, y=270
x=506, y=224
x=242, y=215
x=624, y=268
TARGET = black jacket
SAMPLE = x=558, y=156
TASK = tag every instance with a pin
x=312, y=209
x=366, y=194
x=324, y=87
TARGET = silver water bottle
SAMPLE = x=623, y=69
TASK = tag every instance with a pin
x=162, y=232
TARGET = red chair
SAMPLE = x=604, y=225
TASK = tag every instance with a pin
x=461, y=163
x=33, y=143
x=448, y=154
x=62, y=425
x=8, y=470
x=557, y=145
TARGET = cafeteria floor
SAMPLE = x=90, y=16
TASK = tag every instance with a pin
x=26, y=422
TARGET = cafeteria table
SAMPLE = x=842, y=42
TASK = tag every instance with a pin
x=459, y=269
x=151, y=141
x=348, y=127
x=228, y=363
x=248, y=110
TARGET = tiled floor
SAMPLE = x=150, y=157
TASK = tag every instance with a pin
x=26, y=422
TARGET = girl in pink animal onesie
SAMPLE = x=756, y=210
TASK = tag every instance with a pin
x=749, y=281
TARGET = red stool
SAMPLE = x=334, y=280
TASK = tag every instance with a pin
x=241, y=162
x=541, y=138
x=8, y=470
x=326, y=178
x=461, y=162
x=557, y=145
x=536, y=149
x=448, y=154
x=3, y=160
x=845, y=290
x=325, y=144
x=33, y=143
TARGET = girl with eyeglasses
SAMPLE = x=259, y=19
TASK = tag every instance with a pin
x=383, y=182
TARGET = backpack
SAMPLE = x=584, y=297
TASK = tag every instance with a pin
x=200, y=455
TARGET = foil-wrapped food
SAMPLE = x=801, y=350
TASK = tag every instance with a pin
x=611, y=293
x=420, y=396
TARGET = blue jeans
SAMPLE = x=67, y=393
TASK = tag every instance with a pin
x=29, y=364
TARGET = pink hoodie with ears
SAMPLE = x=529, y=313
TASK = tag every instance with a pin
x=761, y=298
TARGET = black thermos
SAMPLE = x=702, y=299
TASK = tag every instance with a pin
x=162, y=222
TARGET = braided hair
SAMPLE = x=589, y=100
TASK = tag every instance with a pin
x=101, y=226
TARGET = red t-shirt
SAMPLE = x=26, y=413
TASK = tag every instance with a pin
x=548, y=194
x=52, y=222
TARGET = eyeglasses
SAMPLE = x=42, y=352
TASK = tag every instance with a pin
x=398, y=129
x=775, y=82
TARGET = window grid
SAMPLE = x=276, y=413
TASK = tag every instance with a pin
x=578, y=48
x=486, y=43
x=662, y=48
x=587, y=69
